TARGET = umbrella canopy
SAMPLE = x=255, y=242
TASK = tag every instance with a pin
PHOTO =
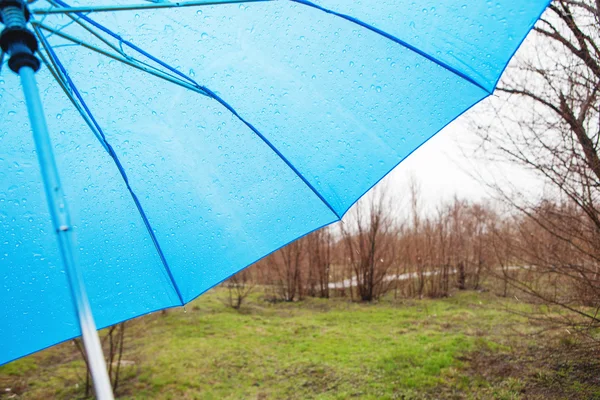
x=195, y=139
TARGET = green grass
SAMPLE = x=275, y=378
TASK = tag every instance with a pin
x=321, y=349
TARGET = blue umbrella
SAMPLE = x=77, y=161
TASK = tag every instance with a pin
x=194, y=138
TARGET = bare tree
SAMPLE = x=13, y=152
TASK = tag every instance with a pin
x=113, y=344
x=319, y=245
x=370, y=237
x=285, y=268
x=547, y=121
x=416, y=245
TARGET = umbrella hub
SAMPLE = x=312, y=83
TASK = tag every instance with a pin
x=16, y=39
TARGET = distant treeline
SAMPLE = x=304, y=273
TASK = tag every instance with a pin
x=373, y=251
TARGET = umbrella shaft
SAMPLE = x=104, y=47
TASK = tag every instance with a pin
x=66, y=241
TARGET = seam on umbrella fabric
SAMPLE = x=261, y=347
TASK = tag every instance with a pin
x=122, y=172
x=214, y=96
x=396, y=40
x=268, y=143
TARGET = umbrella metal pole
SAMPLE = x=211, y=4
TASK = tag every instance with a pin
x=21, y=44
x=66, y=241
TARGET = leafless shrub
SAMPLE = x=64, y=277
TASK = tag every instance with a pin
x=239, y=286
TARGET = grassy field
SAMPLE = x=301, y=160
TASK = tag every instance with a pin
x=467, y=346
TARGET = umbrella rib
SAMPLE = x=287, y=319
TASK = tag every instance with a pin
x=127, y=43
x=132, y=62
x=146, y=6
x=118, y=164
x=396, y=40
x=126, y=58
x=211, y=94
x=60, y=80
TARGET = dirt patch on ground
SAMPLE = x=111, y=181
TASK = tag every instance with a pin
x=549, y=371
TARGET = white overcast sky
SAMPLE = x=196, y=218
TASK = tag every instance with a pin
x=440, y=168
